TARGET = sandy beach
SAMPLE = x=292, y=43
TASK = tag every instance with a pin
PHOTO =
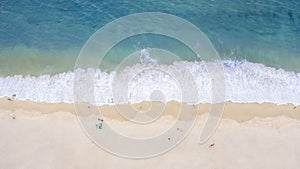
x=44, y=135
x=150, y=84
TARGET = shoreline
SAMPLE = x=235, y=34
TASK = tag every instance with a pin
x=239, y=112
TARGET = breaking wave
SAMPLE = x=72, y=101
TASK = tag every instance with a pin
x=245, y=82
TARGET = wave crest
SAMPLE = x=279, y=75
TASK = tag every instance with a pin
x=245, y=82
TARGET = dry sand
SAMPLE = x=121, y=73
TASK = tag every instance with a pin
x=43, y=135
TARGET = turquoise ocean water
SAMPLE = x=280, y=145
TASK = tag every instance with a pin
x=258, y=42
x=45, y=37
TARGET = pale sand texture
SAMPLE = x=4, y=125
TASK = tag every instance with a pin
x=249, y=136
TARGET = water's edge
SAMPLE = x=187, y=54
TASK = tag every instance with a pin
x=245, y=82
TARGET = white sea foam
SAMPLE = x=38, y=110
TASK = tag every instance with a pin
x=244, y=82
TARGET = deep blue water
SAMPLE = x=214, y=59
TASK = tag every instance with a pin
x=39, y=37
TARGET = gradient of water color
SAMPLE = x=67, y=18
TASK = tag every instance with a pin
x=257, y=40
x=39, y=37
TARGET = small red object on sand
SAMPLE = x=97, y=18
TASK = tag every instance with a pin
x=211, y=145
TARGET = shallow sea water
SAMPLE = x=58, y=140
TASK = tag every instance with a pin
x=46, y=37
x=257, y=41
